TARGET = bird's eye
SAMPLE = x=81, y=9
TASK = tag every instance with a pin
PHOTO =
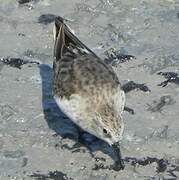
x=105, y=131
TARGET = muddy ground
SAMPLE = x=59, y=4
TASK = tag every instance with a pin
x=37, y=141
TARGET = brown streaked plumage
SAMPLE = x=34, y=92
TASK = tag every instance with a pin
x=86, y=89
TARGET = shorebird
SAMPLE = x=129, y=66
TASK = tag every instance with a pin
x=86, y=89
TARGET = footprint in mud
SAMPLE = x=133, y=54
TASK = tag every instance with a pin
x=157, y=105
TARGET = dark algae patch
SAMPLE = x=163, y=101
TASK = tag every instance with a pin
x=147, y=161
x=115, y=57
x=118, y=164
x=162, y=165
x=46, y=18
x=16, y=62
x=171, y=77
x=55, y=175
x=129, y=110
x=25, y=1
x=131, y=85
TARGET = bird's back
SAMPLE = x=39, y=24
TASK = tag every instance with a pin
x=77, y=69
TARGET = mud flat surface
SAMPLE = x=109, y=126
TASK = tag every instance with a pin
x=140, y=39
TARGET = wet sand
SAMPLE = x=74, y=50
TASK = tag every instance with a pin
x=37, y=141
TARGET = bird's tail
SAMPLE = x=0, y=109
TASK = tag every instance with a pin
x=64, y=38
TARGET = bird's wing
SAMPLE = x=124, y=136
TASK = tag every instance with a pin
x=65, y=39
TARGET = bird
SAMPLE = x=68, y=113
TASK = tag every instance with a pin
x=87, y=89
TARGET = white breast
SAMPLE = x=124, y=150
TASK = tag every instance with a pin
x=119, y=101
x=72, y=107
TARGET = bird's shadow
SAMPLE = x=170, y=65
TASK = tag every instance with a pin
x=62, y=125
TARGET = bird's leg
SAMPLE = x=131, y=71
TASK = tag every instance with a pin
x=119, y=163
